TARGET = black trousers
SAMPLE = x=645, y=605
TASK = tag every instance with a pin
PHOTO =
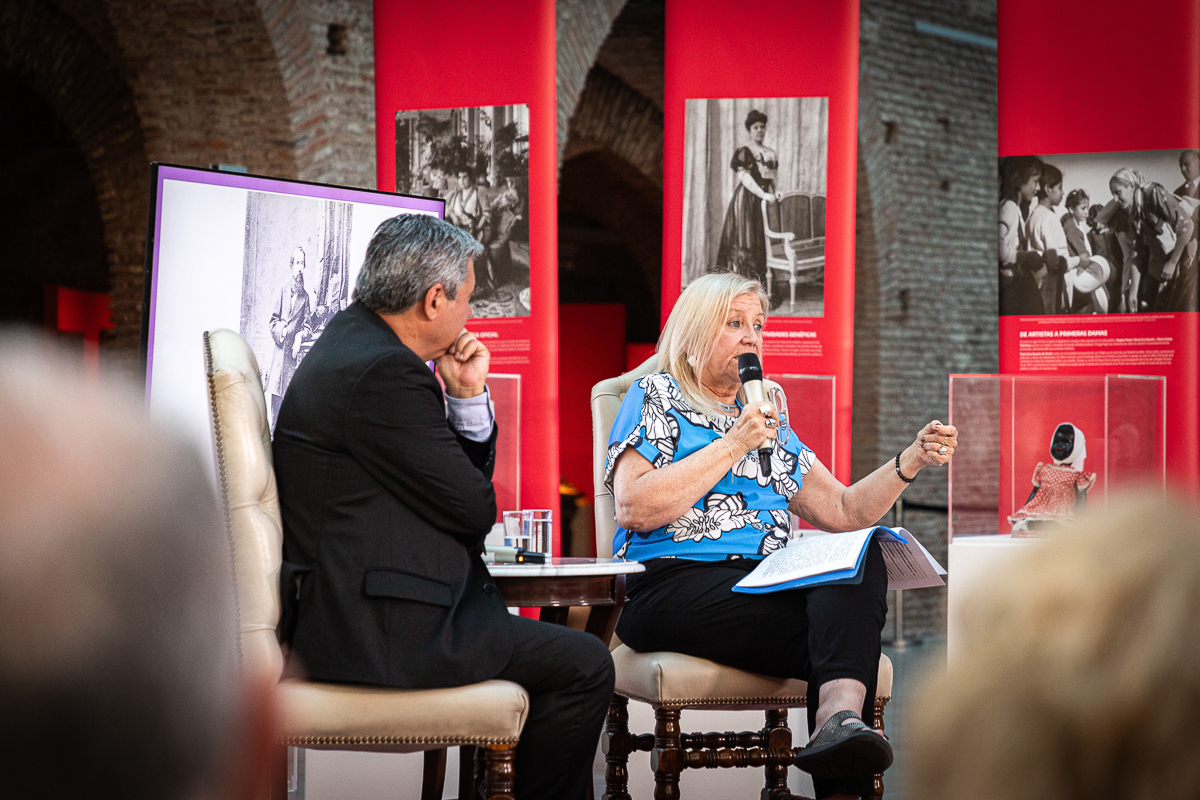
x=818, y=635
x=569, y=677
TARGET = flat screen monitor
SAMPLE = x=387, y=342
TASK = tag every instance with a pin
x=271, y=259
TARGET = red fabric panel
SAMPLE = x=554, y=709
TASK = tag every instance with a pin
x=1100, y=76
x=591, y=348
x=724, y=49
x=482, y=53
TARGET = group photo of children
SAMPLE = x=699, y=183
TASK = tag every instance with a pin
x=1099, y=233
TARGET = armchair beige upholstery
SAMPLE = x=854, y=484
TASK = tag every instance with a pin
x=489, y=715
x=670, y=682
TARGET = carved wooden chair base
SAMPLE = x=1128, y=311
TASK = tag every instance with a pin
x=671, y=752
x=485, y=772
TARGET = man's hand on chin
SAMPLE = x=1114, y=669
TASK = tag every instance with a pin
x=464, y=367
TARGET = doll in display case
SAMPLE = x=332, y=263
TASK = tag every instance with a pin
x=1059, y=488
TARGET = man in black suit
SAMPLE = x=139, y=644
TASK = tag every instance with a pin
x=386, y=493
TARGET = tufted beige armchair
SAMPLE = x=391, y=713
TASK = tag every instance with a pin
x=487, y=715
x=670, y=682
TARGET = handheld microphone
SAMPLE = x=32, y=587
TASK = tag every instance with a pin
x=750, y=371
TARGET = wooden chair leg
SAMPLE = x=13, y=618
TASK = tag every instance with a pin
x=777, y=737
x=468, y=789
x=498, y=781
x=877, y=724
x=279, y=772
x=667, y=757
x=616, y=744
x=433, y=777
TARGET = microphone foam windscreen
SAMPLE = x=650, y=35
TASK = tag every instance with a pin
x=749, y=367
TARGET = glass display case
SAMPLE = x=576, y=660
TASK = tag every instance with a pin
x=1034, y=449
x=811, y=406
x=810, y=412
x=506, y=477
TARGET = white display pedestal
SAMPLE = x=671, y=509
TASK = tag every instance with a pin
x=971, y=559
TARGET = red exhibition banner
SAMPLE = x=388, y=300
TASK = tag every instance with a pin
x=1111, y=139
x=759, y=165
x=465, y=110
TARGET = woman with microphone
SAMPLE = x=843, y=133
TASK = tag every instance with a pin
x=694, y=504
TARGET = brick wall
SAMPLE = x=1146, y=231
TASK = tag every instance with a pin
x=326, y=54
x=926, y=254
x=70, y=61
x=281, y=87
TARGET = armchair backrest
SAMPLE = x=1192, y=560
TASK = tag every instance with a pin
x=246, y=473
x=795, y=212
x=606, y=401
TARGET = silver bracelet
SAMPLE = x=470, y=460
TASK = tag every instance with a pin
x=730, y=449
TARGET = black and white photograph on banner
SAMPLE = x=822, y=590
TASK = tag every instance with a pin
x=294, y=279
x=754, y=195
x=1099, y=233
x=477, y=160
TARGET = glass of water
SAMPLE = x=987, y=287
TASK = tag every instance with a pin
x=538, y=524
x=514, y=530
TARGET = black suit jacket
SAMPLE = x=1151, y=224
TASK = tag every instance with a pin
x=389, y=508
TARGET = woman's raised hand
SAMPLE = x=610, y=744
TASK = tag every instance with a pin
x=935, y=444
x=757, y=421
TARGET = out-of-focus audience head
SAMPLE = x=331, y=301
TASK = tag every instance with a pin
x=1077, y=676
x=119, y=672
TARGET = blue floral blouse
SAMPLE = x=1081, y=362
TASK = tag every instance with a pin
x=745, y=514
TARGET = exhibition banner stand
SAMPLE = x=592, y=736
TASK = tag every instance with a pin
x=1099, y=202
x=465, y=111
x=759, y=178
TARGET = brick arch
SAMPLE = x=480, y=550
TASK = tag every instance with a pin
x=61, y=63
x=624, y=209
x=614, y=116
x=582, y=28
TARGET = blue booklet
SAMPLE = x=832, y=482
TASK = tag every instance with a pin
x=836, y=558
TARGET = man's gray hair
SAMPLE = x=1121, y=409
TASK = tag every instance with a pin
x=409, y=255
x=119, y=671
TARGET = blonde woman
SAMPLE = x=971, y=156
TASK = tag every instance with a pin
x=1155, y=215
x=694, y=506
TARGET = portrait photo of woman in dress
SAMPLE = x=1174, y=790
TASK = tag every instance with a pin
x=754, y=196
x=743, y=247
